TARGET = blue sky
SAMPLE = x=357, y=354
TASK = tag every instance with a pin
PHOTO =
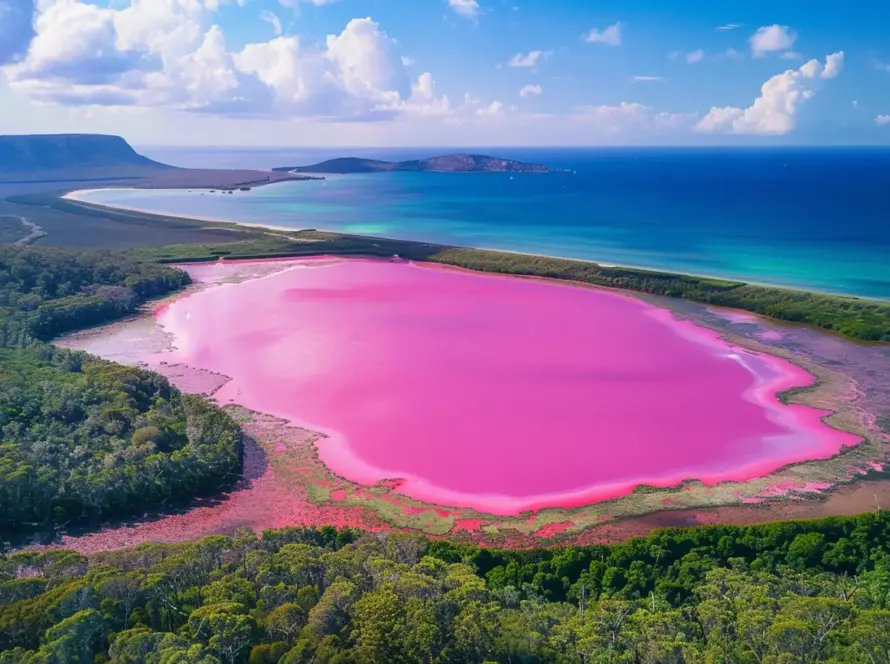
x=448, y=72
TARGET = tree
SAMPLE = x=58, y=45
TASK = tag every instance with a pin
x=224, y=628
x=286, y=621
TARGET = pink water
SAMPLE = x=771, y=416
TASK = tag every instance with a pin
x=496, y=393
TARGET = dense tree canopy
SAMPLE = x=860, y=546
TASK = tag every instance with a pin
x=85, y=438
x=45, y=292
x=816, y=591
x=81, y=437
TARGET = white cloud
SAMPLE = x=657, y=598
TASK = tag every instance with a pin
x=790, y=55
x=366, y=61
x=272, y=19
x=406, y=61
x=833, y=65
x=468, y=8
x=695, y=56
x=728, y=27
x=646, y=79
x=423, y=100
x=883, y=120
x=168, y=54
x=529, y=90
x=494, y=109
x=855, y=104
x=771, y=38
x=529, y=60
x=775, y=110
x=610, y=36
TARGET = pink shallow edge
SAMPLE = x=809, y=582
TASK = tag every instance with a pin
x=335, y=451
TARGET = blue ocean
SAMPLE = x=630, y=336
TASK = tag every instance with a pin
x=812, y=218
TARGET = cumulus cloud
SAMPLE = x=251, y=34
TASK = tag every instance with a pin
x=365, y=58
x=16, y=28
x=168, y=53
x=772, y=38
x=424, y=100
x=529, y=90
x=468, y=8
x=883, y=120
x=833, y=65
x=610, y=36
x=529, y=60
x=775, y=110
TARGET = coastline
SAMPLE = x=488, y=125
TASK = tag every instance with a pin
x=77, y=196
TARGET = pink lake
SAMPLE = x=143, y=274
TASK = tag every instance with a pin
x=495, y=393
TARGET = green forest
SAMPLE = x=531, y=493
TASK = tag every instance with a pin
x=808, y=591
x=82, y=438
x=45, y=292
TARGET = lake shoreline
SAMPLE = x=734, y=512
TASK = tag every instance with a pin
x=314, y=493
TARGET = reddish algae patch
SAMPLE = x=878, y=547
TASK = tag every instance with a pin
x=497, y=394
x=553, y=529
x=468, y=525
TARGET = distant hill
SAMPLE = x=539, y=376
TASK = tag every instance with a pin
x=71, y=156
x=452, y=163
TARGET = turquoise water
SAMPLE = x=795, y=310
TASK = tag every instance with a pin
x=807, y=218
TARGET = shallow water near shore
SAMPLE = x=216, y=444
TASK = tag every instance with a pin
x=807, y=218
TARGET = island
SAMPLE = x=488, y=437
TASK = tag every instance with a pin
x=450, y=163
